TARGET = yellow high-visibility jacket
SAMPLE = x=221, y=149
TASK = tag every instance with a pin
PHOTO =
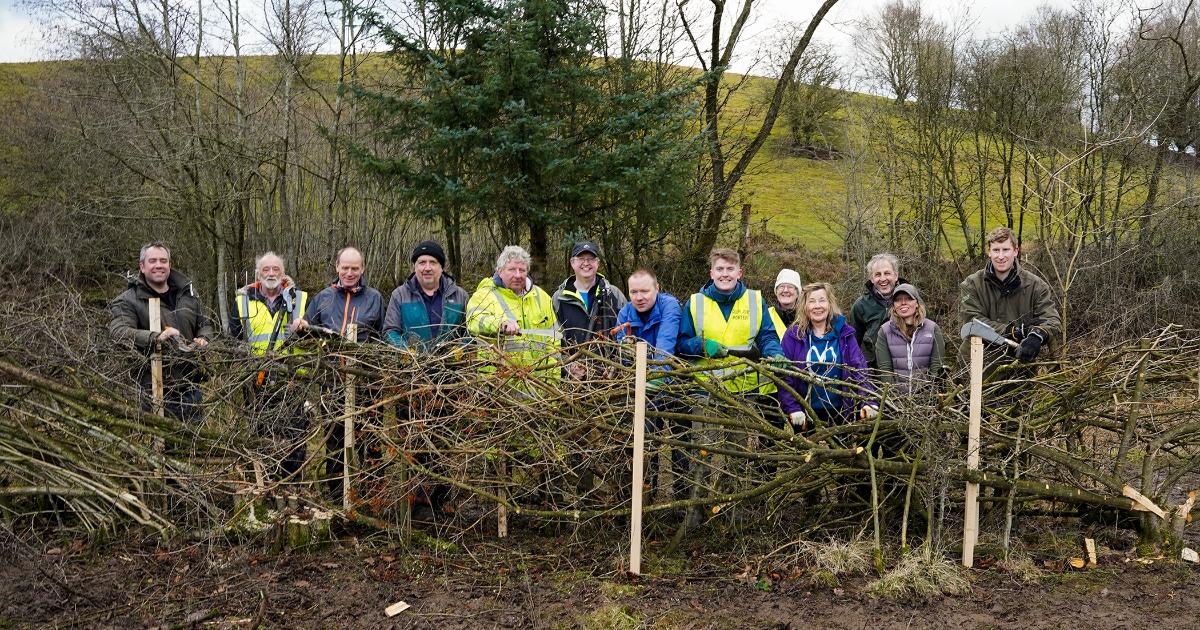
x=492, y=304
x=735, y=333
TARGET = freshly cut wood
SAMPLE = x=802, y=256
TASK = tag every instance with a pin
x=971, y=506
x=396, y=609
x=1090, y=545
x=154, y=305
x=1141, y=503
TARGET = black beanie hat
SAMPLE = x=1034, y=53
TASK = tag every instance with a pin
x=429, y=248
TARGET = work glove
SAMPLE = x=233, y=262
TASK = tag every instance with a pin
x=1030, y=346
x=799, y=420
x=1015, y=330
x=869, y=412
x=780, y=362
x=714, y=349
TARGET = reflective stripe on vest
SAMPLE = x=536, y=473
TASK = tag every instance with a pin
x=736, y=333
x=515, y=343
x=259, y=325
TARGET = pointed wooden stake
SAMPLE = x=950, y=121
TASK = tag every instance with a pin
x=639, y=440
x=971, y=507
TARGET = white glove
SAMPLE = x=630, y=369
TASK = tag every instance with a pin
x=870, y=412
x=799, y=420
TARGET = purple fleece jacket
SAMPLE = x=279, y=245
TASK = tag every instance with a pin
x=854, y=364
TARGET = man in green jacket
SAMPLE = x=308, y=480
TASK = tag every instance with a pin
x=1010, y=299
x=183, y=322
x=870, y=310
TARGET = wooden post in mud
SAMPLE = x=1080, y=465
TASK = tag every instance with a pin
x=501, y=509
x=639, y=439
x=156, y=358
x=348, y=426
x=971, y=506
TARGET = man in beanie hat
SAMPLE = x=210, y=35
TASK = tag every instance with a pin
x=585, y=304
x=429, y=308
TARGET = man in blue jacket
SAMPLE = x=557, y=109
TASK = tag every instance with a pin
x=347, y=301
x=653, y=317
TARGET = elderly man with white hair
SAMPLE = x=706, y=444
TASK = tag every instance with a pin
x=264, y=314
x=510, y=306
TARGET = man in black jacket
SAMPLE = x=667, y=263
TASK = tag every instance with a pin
x=184, y=326
x=585, y=305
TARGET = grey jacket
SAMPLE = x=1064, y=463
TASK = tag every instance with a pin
x=910, y=362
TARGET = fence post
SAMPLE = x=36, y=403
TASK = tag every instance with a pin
x=156, y=359
x=639, y=439
x=348, y=424
x=971, y=507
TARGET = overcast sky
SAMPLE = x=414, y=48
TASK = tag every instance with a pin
x=22, y=40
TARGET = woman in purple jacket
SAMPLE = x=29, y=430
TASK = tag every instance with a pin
x=822, y=343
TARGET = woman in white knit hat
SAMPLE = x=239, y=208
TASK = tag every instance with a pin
x=787, y=296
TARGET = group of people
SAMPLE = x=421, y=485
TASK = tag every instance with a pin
x=887, y=336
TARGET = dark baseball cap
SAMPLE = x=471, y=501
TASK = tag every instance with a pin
x=585, y=246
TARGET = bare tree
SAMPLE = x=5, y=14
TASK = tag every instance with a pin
x=890, y=45
x=726, y=163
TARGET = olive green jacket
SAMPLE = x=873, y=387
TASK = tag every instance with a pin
x=997, y=303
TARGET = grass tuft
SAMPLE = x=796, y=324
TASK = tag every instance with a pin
x=611, y=617
x=917, y=578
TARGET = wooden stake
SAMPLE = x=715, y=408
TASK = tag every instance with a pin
x=971, y=508
x=639, y=439
x=501, y=510
x=348, y=427
x=156, y=358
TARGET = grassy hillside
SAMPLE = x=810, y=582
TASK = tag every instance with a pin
x=794, y=197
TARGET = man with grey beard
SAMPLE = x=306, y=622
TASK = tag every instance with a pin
x=265, y=314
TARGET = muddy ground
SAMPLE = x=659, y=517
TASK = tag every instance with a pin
x=540, y=580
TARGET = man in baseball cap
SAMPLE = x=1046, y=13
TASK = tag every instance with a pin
x=585, y=304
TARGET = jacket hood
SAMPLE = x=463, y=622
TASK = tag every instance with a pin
x=495, y=282
x=710, y=290
x=254, y=289
x=176, y=282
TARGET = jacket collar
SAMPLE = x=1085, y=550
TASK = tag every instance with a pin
x=710, y=290
x=1010, y=283
x=354, y=290
x=444, y=284
x=499, y=286
x=176, y=283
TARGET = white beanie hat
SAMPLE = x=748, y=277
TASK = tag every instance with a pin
x=789, y=276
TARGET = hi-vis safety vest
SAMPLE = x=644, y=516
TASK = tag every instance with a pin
x=533, y=311
x=261, y=327
x=736, y=333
